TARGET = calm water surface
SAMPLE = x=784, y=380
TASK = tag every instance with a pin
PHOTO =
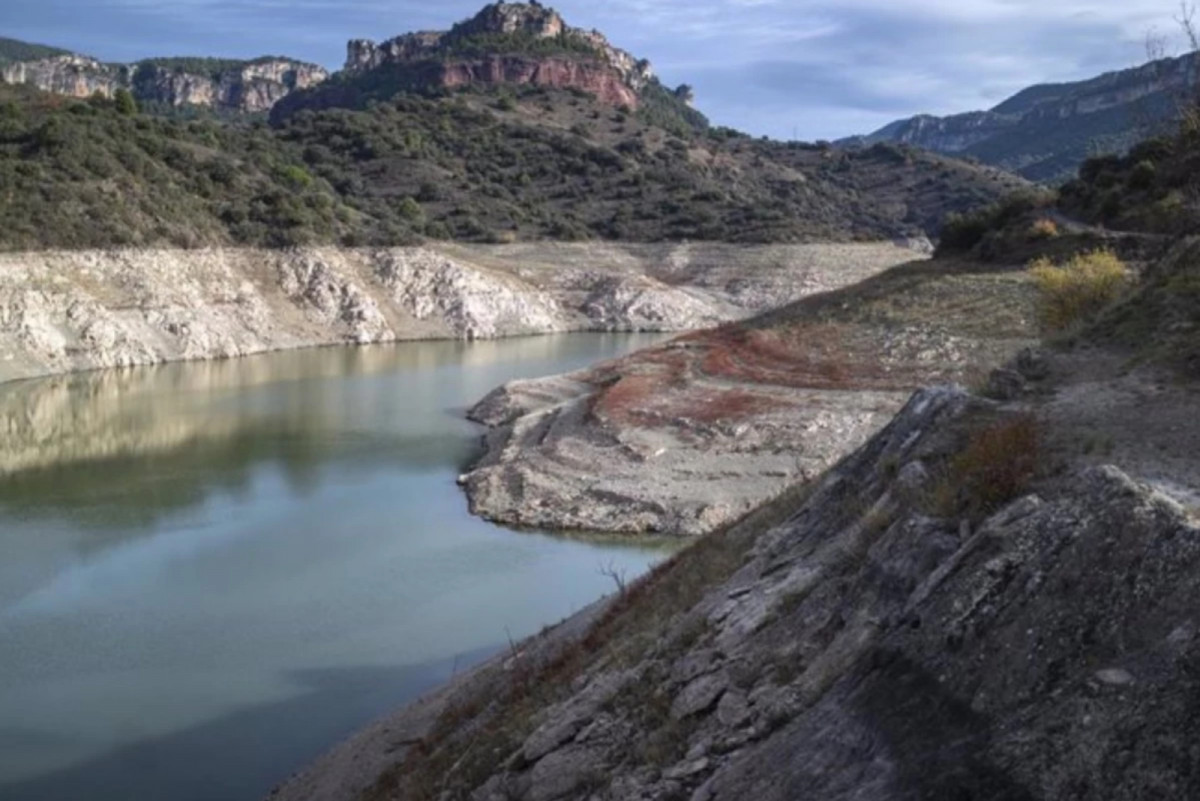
x=209, y=573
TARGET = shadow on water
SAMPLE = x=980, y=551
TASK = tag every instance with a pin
x=246, y=754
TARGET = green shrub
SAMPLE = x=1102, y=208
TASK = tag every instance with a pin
x=124, y=102
x=962, y=233
x=411, y=210
x=296, y=175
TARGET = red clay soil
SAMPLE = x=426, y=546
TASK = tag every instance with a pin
x=831, y=356
x=692, y=377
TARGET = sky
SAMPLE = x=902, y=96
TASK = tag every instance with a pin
x=807, y=69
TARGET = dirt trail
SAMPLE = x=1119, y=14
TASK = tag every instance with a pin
x=1097, y=409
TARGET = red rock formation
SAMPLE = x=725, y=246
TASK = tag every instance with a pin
x=559, y=73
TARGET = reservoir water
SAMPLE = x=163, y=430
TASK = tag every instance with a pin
x=212, y=572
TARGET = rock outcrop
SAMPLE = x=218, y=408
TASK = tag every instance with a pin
x=254, y=87
x=567, y=58
x=66, y=311
x=73, y=75
x=250, y=86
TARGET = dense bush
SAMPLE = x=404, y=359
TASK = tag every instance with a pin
x=965, y=232
x=459, y=44
x=1155, y=188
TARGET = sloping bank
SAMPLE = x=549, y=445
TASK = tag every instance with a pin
x=686, y=437
x=902, y=631
x=65, y=311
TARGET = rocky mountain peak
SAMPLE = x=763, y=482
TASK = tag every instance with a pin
x=511, y=43
x=549, y=51
x=508, y=18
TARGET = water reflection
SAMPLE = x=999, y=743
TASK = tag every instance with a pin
x=179, y=544
x=76, y=445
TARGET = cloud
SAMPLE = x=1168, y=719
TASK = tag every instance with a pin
x=816, y=68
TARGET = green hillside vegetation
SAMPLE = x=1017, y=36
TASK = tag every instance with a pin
x=77, y=175
x=1155, y=188
x=15, y=50
x=474, y=166
x=1160, y=320
x=459, y=43
x=203, y=65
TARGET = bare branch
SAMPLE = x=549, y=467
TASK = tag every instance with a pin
x=619, y=577
x=1189, y=26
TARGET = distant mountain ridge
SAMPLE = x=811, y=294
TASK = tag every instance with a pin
x=1045, y=132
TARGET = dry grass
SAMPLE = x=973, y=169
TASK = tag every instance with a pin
x=1043, y=228
x=996, y=466
x=1078, y=289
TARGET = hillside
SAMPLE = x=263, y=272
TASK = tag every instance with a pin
x=491, y=163
x=1151, y=189
x=505, y=44
x=1044, y=132
x=15, y=50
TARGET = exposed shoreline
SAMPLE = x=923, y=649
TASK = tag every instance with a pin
x=680, y=439
x=68, y=311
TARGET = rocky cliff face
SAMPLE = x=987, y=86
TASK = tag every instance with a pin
x=74, y=75
x=251, y=87
x=555, y=73
x=1044, y=132
x=569, y=58
x=952, y=135
x=254, y=87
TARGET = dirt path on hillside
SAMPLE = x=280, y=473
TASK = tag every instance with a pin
x=1098, y=409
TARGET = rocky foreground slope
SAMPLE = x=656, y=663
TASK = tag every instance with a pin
x=689, y=436
x=906, y=632
x=65, y=311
